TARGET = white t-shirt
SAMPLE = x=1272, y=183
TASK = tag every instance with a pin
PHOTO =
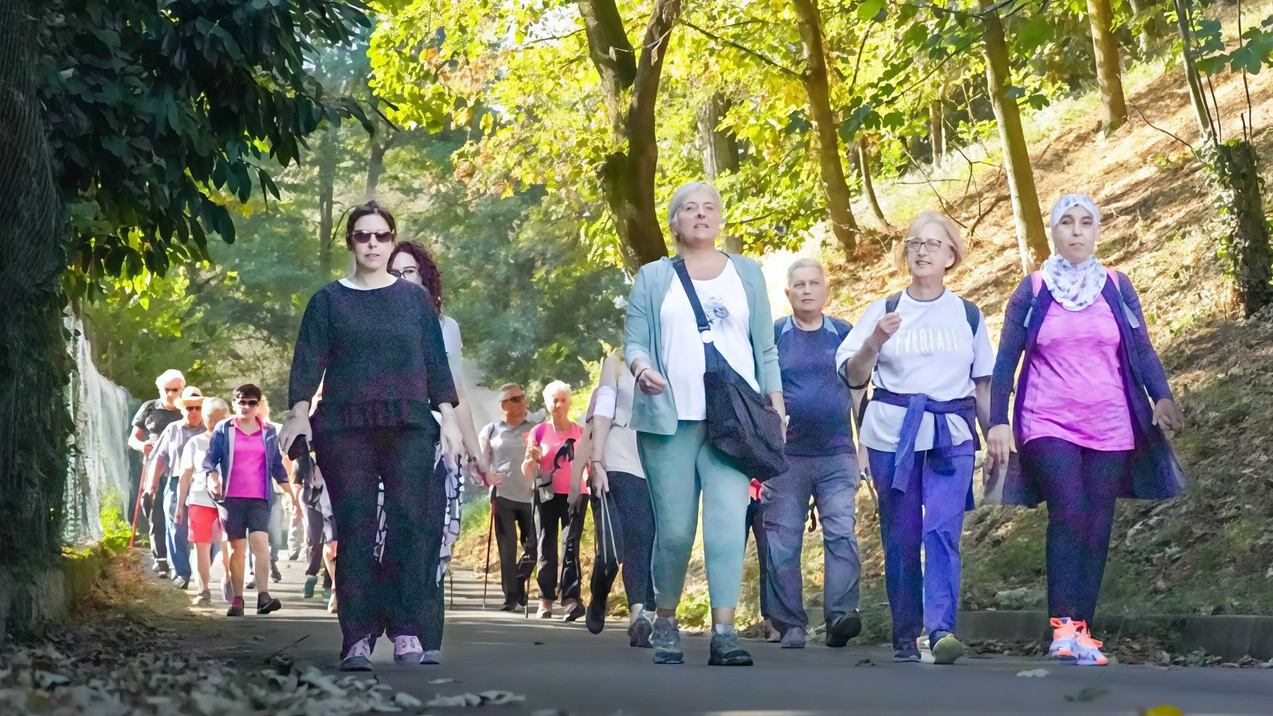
x=620, y=453
x=192, y=457
x=724, y=301
x=933, y=352
x=451, y=342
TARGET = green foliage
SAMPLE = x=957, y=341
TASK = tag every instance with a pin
x=161, y=115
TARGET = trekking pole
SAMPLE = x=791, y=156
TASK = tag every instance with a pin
x=490, y=532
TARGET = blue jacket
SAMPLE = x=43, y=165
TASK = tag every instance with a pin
x=220, y=457
x=643, y=334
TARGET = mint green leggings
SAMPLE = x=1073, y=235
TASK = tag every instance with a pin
x=678, y=468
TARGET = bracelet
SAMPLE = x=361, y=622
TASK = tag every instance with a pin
x=642, y=372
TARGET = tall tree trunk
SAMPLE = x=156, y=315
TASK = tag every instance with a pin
x=1196, y=98
x=1032, y=240
x=720, y=154
x=375, y=167
x=937, y=131
x=630, y=85
x=326, y=188
x=1234, y=176
x=868, y=186
x=834, y=186
x=1108, y=68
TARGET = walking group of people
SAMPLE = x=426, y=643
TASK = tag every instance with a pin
x=393, y=433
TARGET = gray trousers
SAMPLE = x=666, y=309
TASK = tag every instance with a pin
x=832, y=483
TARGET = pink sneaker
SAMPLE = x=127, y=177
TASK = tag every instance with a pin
x=358, y=658
x=407, y=650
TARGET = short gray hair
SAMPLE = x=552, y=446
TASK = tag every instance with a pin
x=212, y=405
x=168, y=376
x=679, y=198
x=502, y=393
x=551, y=389
x=803, y=263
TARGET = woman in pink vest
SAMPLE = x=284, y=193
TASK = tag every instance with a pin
x=1082, y=420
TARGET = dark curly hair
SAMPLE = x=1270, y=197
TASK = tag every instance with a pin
x=367, y=209
x=429, y=274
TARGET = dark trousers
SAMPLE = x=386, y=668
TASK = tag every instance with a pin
x=402, y=596
x=555, y=520
x=756, y=525
x=633, y=535
x=514, y=525
x=313, y=540
x=1080, y=486
x=158, y=531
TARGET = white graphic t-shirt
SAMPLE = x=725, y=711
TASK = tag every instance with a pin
x=724, y=301
x=933, y=352
x=192, y=458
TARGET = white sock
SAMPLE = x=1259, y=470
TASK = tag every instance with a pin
x=635, y=613
x=722, y=628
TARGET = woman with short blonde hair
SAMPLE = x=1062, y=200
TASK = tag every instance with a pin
x=929, y=356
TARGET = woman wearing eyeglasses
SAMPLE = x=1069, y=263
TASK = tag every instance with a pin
x=549, y=459
x=243, y=454
x=375, y=344
x=929, y=356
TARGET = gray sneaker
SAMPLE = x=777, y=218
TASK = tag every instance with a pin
x=667, y=642
x=726, y=651
x=639, y=632
x=793, y=639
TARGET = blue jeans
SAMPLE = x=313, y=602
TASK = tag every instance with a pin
x=176, y=535
x=930, y=511
x=831, y=481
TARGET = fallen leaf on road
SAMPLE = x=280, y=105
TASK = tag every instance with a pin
x=460, y=700
x=865, y=662
x=1162, y=710
x=548, y=712
x=435, y=682
x=407, y=700
x=500, y=698
x=1036, y=673
x=539, y=643
x=1091, y=693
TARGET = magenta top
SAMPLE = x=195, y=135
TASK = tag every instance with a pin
x=545, y=434
x=247, y=470
x=1075, y=391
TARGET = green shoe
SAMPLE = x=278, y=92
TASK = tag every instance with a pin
x=947, y=649
x=327, y=594
x=310, y=582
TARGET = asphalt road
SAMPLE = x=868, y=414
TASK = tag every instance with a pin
x=562, y=669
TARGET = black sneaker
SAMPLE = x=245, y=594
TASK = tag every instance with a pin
x=907, y=652
x=275, y=575
x=266, y=604
x=640, y=631
x=509, y=608
x=236, y=608
x=575, y=612
x=843, y=628
x=725, y=650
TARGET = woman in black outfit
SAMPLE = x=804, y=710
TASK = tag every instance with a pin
x=375, y=344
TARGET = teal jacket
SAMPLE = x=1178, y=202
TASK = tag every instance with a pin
x=644, y=331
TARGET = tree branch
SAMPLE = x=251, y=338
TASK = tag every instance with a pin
x=747, y=50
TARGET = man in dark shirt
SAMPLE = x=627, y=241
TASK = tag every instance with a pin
x=822, y=465
x=148, y=425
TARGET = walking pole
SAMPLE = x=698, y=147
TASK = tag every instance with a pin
x=490, y=532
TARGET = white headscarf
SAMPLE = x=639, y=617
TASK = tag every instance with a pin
x=1075, y=287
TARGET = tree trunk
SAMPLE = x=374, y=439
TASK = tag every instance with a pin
x=1108, y=68
x=868, y=186
x=937, y=131
x=1199, y=101
x=375, y=167
x=630, y=85
x=1032, y=240
x=720, y=149
x=34, y=364
x=1235, y=179
x=326, y=187
x=834, y=186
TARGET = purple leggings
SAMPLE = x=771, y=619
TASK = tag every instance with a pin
x=1080, y=486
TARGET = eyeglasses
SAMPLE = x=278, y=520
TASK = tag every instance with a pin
x=513, y=399
x=194, y=408
x=405, y=273
x=249, y=403
x=933, y=245
x=363, y=237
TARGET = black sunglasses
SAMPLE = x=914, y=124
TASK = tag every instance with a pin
x=249, y=403
x=513, y=399
x=192, y=408
x=363, y=237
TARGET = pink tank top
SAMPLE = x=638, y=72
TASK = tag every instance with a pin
x=1076, y=392
x=247, y=472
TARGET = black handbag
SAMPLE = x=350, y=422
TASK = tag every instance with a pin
x=741, y=422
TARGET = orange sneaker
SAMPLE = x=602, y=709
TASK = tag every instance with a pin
x=1088, y=650
x=1064, y=641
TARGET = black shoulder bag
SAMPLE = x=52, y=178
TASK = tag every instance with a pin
x=741, y=422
